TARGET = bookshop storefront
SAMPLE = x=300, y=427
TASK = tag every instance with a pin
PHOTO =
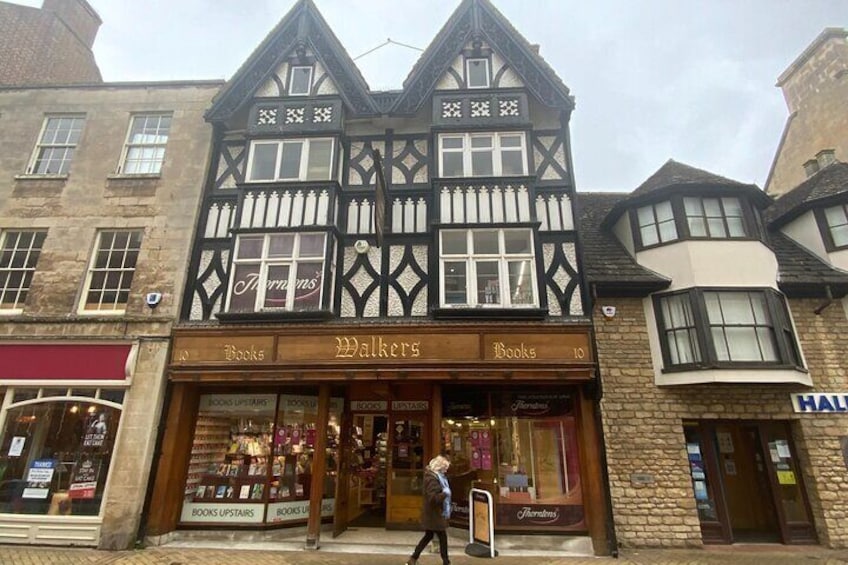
x=335, y=426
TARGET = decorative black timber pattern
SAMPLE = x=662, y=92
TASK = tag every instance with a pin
x=231, y=164
x=490, y=109
x=561, y=279
x=549, y=156
x=361, y=164
x=360, y=296
x=209, y=286
x=409, y=162
x=407, y=281
x=301, y=116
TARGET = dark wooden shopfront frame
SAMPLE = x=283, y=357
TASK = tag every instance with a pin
x=720, y=531
x=322, y=356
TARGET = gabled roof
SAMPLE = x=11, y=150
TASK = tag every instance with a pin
x=478, y=19
x=303, y=26
x=678, y=178
x=606, y=263
x=821, y=188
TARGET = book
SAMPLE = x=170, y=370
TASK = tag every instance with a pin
x=230, y=492
x=256, y=492
x=220, y=491
x=201, y=491
x=245, y=491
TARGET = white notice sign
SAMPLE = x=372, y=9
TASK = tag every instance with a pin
x=207, y=513
x=17, y=446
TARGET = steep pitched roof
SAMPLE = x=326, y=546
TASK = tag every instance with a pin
x=677, y=178
x=801, y=272
x=606, y=263
x=827, y=184
x=303, y=26
x=478, y=19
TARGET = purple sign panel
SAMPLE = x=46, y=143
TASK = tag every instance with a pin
x=540, y=516
x=306, y=294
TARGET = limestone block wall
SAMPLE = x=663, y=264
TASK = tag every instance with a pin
x=644, y=432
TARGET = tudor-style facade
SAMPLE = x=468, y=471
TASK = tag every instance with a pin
x=323, y=357
x=720, y=348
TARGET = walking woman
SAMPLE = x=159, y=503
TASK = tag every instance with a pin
x=436, y=509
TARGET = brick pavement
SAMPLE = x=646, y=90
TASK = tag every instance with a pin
x=738, y=555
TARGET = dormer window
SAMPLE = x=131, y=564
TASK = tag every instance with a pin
x=692, y=217
x=300, y=81
x=837, y=226
x=477, y=73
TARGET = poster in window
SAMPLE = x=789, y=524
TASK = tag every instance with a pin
x=486, y=460
x=307, y=292
x=97, y=427
x=84, y=478
x=39, y=477
x=700, y=490
x=725, y=442
x=17, y=446
x=485, y=440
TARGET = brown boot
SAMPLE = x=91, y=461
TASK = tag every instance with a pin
x=412, y=561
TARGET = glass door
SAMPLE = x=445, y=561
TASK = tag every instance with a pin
x=409, y=455
x=786, y=484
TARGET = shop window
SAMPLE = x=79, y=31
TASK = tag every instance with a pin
x=702, y=328
x=482, y=154
x=55, y=453
x=56, y=146
x=488, y=268
x=251, y=459
x=111, y=272
x=19, y=252
x=282, y=272
x=291, y=160
x=144, y=150
x=525, y=451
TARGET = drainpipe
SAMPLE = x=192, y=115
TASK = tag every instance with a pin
x=826, y=303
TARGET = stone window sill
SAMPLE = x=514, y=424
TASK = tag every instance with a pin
x=41, y=177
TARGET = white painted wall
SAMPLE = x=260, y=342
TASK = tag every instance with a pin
x=839, y=259
x=713, y=263
x=623, y=232
x=805, y=232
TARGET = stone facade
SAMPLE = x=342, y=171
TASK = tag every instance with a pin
x=72, y=208
x=50, y=45
x=644, y=433
x=815, y=87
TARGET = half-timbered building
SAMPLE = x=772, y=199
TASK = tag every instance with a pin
x=380, y=277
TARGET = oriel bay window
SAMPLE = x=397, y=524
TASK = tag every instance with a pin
x=693, y=217
x=488, y=267
x=278, y=272
x=492, y=154
x=291, y=160
x=705, y=328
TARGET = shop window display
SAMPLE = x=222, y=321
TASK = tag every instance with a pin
x=55, y=451
x=523, y=449
x=251, y=459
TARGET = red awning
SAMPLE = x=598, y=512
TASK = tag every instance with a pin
x=64, y=362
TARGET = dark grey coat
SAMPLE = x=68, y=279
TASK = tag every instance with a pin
x=431, y=512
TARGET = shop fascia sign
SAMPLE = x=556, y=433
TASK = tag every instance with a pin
x=820, y=402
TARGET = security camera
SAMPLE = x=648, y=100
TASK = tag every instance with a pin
x=153, y=299
x=361, y=246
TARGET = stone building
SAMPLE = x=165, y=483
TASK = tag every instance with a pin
x=815, y=87
x=48, y=45
x=720, y=346
x=379, y=277
x=98, y=187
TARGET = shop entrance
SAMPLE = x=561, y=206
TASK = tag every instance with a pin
x=366, y=481
x=746, y=483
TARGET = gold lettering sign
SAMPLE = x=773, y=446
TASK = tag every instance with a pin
x=379, y=348
x=563, y=348
x=376, y=347
x=223, y=350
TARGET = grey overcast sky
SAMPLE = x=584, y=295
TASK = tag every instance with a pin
x=691, y=80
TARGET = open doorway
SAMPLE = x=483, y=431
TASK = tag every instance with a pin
x=368, y=471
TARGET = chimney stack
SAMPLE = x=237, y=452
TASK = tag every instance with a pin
x=78, y=15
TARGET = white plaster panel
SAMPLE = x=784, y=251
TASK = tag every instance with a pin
x=328, y=86
x=622, y=231
x=554, y=308
x=839, y=259
x=510, y=79
x=576, y=306
x=805, y=232
x=269, y=89
x=420, y=252
x=448, y=82
x=713, y=263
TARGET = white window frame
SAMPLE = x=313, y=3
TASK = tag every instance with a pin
x=44, y=145
x=471, y=259
x=291, y=80
x=265, y=262
x=468, y=62
x=18, y=305
x=496, y=150
x=304, y=158
x=98, y=240
x=129, y=145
